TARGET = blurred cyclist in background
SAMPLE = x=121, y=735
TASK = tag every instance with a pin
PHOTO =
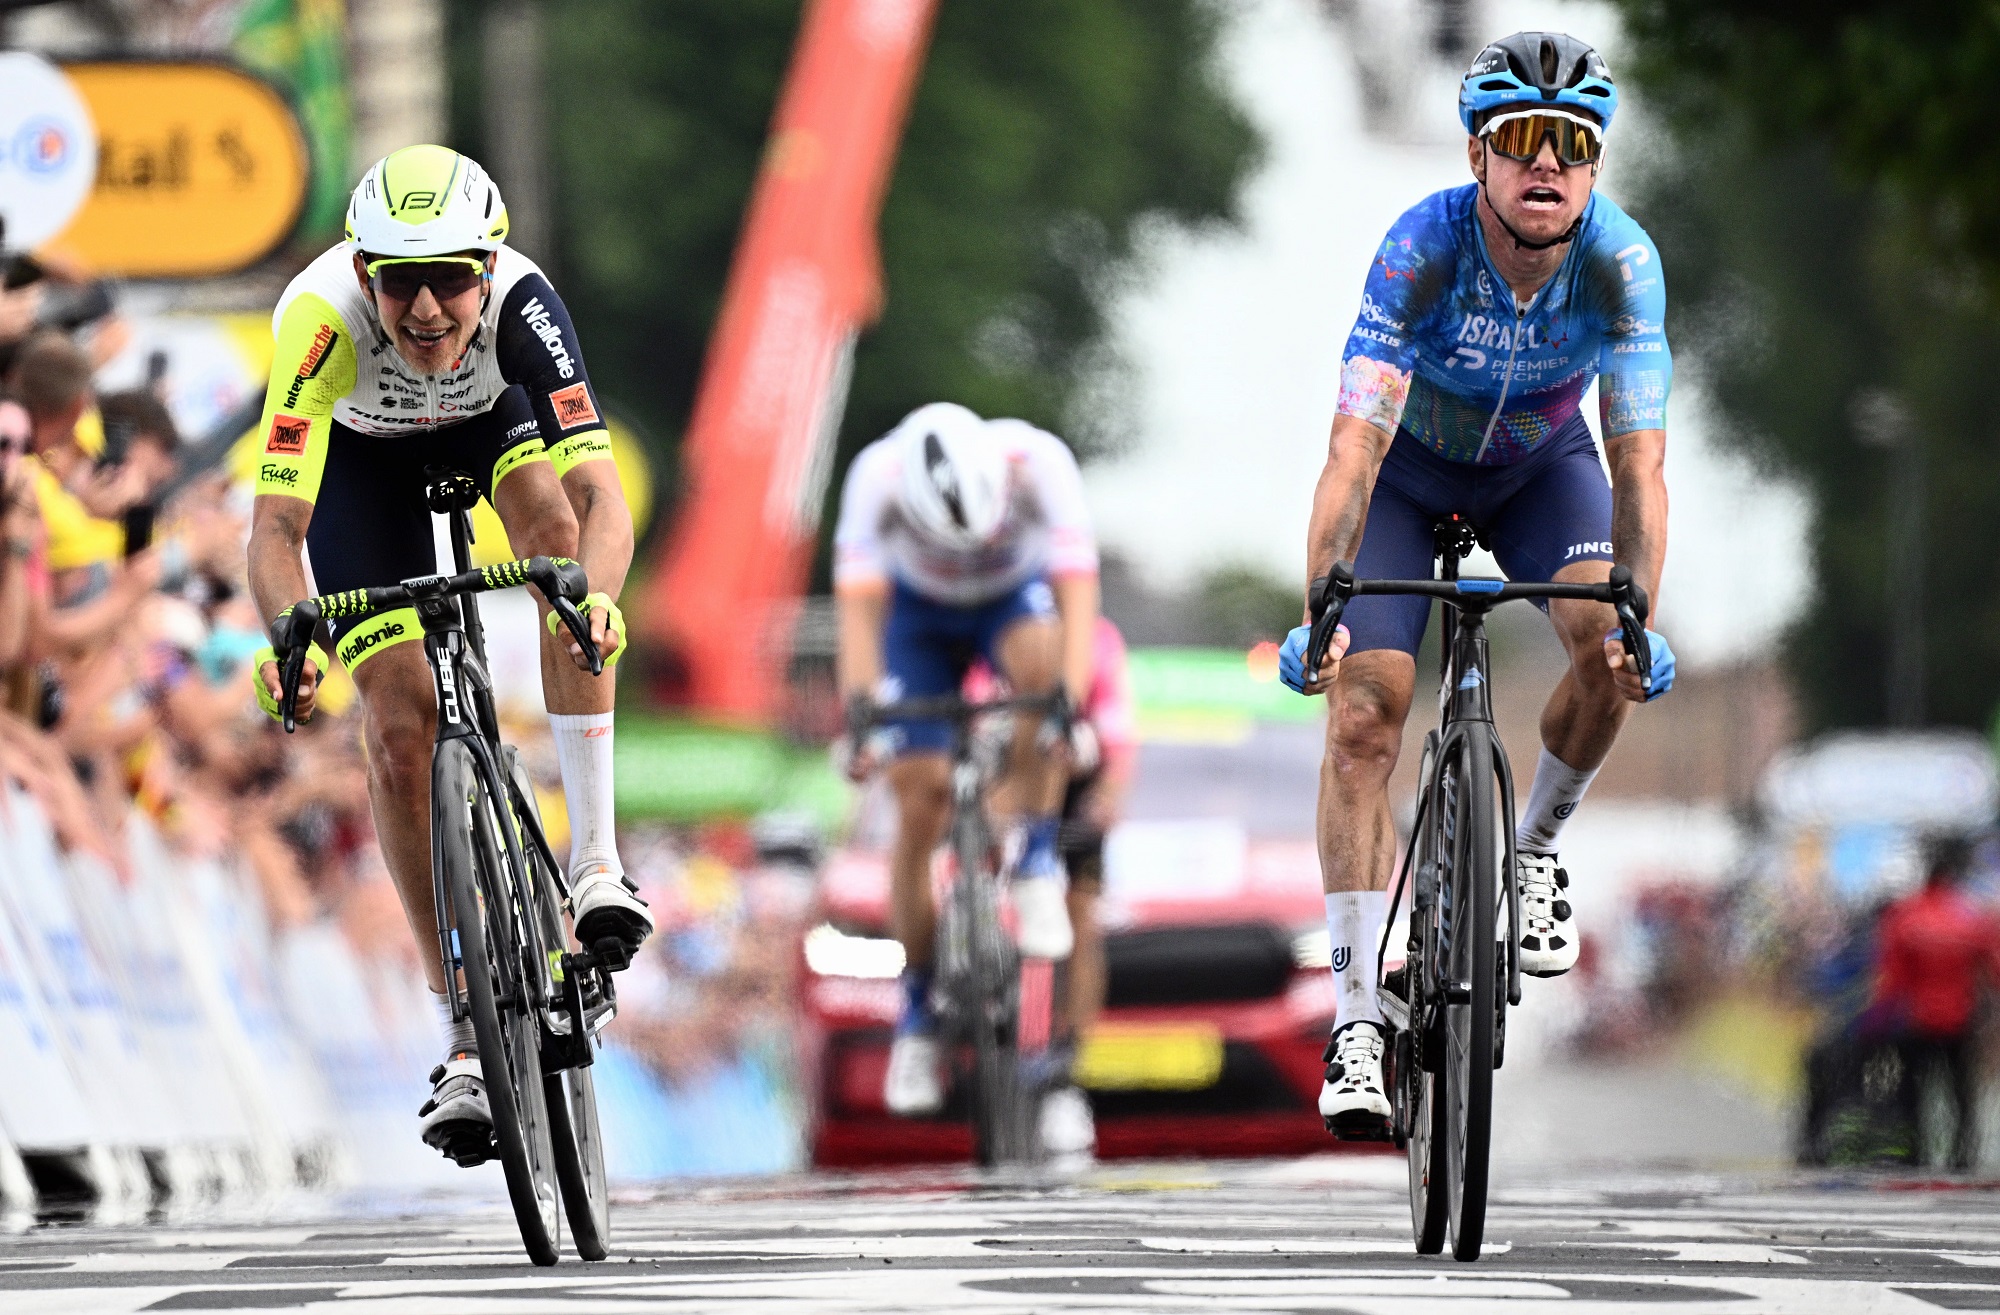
x=1104, y=754
x=961, y=538
x=1488, y=311
x=424, y=341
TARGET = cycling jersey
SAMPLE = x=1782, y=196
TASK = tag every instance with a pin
x=336, y=366
x=1046, y=530
x=1442, y=349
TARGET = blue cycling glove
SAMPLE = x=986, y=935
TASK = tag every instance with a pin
x=1292, y=656
x=1663, y=661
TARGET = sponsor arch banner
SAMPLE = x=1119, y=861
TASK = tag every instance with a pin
x=200, y=169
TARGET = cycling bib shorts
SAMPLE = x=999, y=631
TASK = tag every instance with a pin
x=371, y=526
x=929, y=646
x=1537, y=515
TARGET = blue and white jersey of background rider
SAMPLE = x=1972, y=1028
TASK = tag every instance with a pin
x=1439, y=342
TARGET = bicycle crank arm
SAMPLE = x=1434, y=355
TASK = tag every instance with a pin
x=1458, y=993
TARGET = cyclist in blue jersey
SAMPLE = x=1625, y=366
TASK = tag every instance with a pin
x=1488, y=312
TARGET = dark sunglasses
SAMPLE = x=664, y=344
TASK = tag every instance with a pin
x=1520, y=136
x=401, y=280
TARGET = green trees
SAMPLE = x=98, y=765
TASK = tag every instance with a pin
x=1829, y=212
x=1044, y=137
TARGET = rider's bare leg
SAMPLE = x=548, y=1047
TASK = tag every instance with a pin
x=1582, y=718
x=1086, y=962
x=399, y=721
x=1357, y=836
x=921, y=783
x=1030, y=657
x=540, y=520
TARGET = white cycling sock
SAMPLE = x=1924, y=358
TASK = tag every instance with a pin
x=459, y=1038
x=1354, y=929
x=583, y=751
x=1557, y=790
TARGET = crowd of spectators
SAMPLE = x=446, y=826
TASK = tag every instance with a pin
x=125, y=635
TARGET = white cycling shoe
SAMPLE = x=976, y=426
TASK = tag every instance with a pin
x=1548, y=925
x=1068, y=1133
x=1354, y=1099
x=607, y=906
x=457, y=1119
x=914, y=1085
x=1041, y=914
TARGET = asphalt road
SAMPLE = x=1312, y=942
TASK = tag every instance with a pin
x=1324, y=1235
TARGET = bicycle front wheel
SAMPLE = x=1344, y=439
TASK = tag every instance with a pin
x=1470, y=887
x=487, y=915
x=571, y=1094
x=989, y=1003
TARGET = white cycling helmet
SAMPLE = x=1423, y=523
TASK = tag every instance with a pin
x=425, y=201
x=955, y=484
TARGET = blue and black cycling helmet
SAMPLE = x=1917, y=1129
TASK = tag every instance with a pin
x=1541, y=68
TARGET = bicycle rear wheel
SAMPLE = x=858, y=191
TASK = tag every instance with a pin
x=1471, y=884
x=488, y=916
x=571, y=1094
x=1423, y=1094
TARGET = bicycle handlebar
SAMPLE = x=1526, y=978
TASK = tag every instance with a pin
x=953, y=708
x=561, y=581
x=1330, y=594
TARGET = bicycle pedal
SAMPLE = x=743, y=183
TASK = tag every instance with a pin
x=611, y=954
x=468, y=1145
x=1358, y=1125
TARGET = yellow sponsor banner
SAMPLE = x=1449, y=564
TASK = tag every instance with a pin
x=201, y=169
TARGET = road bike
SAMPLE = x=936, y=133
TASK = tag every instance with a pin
x=538, y=1005
x=986, y=1020
x=1446, y=1006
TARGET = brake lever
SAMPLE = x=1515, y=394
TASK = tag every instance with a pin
x=580, y=629
x=1633, y=607
x=290, y=675
x=563, y=583
x=303, y=621
x=1328, y=601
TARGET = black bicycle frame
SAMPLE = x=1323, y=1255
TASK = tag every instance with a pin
x=455, y=649
x=1465, y=702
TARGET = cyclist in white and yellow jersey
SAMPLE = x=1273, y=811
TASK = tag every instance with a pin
x=424, y=341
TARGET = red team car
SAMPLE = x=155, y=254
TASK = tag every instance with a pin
x=1218, y=1007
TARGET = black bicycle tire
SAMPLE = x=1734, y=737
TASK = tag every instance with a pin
x=1469, y=1024
x=570, y=1095
x=1422, y=1079
x=994, y=1097
x=1429, y=1203
x=471, y=855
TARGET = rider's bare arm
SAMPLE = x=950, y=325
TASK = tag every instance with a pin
x=1638, y=528
x=278, y=577
x=1076, y=604
x=603, y=536
x=1639, y=503
x=861, y=607
x=1354, y=453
